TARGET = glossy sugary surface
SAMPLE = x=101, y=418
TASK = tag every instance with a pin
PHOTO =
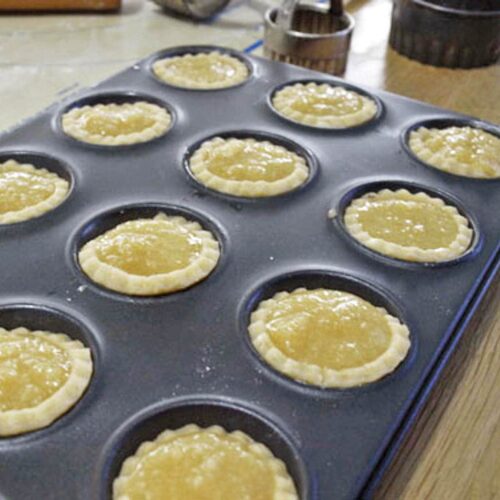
x=323, y=105
x=463, y=150
x=31, y=370
x=115, y=121
x=407, y=220
x=327, y=328
x=243, y=160
x=325, y=100
x=201, y=465
x=202, y=70
x=117, y=124
x=21, y=189
x=149, y=246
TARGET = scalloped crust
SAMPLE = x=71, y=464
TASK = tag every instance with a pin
x=120, y=281
x=61, y=190
x=490, y=169
x=241, y=73
x=19, y=421
x=282, y=104
x=411, y=253
x=285, y=487
x=248, y=189
x=163, y=122
x=320, y=376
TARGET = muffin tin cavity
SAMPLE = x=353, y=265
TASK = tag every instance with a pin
x=442, y=123
x=374, y=187
x=194, y=344
x=115, y=216
x=114, y=98
x=313, y=279
x=199, y=49
x=41, y=317
x=279, y=140
x=204, y=412
x=333, y=83
x=43, y=161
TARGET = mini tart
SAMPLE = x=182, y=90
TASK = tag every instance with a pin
x=466, y=151
x=42, y=375
x=323, y=105
x=247, y=167
x=328, y=338
x=28, y=192
x=203, y=464
x=407, y=226
x=202, y=71
x=150, y=256
x=117, y=124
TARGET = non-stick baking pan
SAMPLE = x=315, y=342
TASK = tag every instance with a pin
x=185, y=357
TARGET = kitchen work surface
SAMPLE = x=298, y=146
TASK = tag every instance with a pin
x=470, y=419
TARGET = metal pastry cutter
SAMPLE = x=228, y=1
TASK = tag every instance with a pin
x=317, y=37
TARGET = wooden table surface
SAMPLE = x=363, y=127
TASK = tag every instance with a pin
x=453, y=452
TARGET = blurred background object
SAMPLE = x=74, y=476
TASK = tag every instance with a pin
x=197, y=9
x=62, y=5
x=451, y=33
x=47, y=57
x=315, y=36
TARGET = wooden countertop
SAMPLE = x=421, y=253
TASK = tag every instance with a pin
x=454, y=450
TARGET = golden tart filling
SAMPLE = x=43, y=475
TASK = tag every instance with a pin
x=212, y=70
x=203, y=464
x=247, y=167
x=28, y=192
x=42, y=375
x=328, y=338
x=117, y=124
x=323, y=105
x=150, y=256
x=408, y=226
x=466, y=151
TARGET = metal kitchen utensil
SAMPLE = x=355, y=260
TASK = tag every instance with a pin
x=318, y=36
x=284, y=15
x=197, y=9
x=452, y=33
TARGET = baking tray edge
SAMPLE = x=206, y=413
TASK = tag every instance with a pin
x=483, y=284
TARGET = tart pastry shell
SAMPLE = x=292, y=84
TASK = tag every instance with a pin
x=245, y=188
x=285, y=488
x=241, y=73
x=121, y=281
x=321, y=376
x=162, y=123
x=61, y=189
x=457, y=248
x=283, y=98
x=14, y=422
x=447, y=163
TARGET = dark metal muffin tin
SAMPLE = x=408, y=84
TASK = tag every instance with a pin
x=171, y=360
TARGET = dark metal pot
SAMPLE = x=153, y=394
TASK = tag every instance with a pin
x=452, y=33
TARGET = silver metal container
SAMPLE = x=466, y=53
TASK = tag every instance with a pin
x=197, y=9
x=316, y=40
x=451, y=33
